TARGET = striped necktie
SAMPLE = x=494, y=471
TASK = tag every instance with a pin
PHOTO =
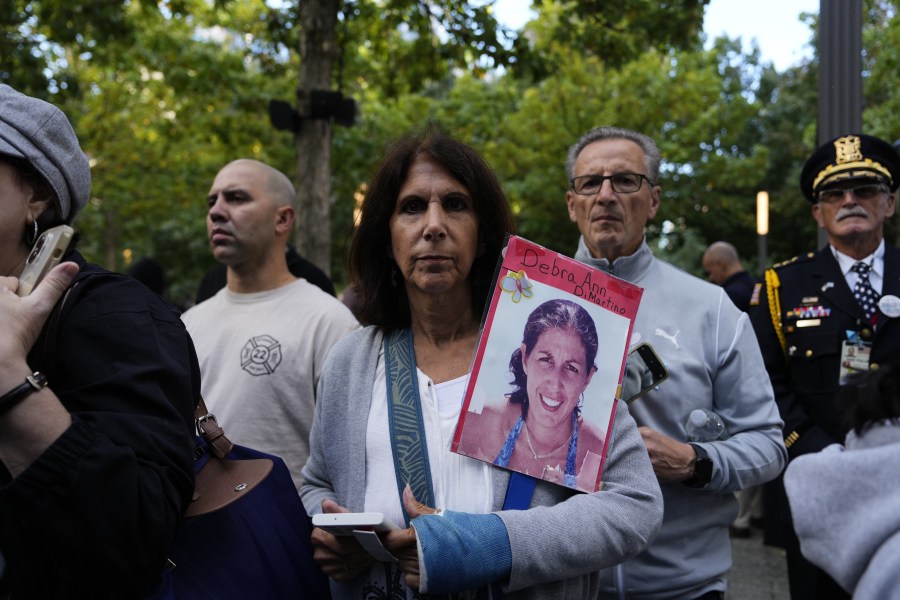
x=863, y=290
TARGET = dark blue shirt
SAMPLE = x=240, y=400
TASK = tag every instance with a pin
x=739, y=288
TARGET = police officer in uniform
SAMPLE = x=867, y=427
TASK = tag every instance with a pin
x=825, y=315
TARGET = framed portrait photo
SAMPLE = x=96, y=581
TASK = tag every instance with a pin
x=548, y=367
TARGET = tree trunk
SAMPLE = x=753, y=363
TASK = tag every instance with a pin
x=318, y=20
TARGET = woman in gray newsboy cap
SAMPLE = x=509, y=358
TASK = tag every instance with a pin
x=96, y=406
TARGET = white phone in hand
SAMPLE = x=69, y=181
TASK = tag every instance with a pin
x=363, y=526
x=46, y=254
x=347, y=523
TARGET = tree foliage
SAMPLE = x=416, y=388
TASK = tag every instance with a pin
x=614, y=32
x=162, y=94
x=158, y=111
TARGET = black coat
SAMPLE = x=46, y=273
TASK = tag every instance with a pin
x=95, y=515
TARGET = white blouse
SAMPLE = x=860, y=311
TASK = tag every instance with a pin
x=460, y=483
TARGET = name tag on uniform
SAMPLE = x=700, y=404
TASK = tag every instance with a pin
x=854, y=358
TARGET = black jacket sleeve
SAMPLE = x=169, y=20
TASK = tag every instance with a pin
x=96, y=514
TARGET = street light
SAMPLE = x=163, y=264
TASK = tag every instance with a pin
x=762, y=227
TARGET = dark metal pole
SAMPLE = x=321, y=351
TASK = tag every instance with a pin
x=840, y=72
x=762, y=254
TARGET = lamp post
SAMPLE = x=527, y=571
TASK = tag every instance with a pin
x=762, y=228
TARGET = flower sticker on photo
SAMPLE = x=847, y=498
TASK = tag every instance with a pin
x=517, y=285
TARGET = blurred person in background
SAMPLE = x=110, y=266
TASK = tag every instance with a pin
x=723, y=267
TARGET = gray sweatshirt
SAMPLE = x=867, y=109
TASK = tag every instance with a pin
x=714, y=362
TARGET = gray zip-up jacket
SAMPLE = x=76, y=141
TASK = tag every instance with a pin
x=714, y=362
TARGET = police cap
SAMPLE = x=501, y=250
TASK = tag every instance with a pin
x=854, y=157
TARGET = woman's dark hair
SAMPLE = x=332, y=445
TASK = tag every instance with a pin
x=553, y=314
x=28, y=178
x=872, y=397
x=370, y=265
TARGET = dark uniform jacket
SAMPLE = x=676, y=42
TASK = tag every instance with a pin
x=805, y=371
x=739, y=288
x=95, y=515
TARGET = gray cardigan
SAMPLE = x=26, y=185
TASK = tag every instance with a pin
x=558, y=545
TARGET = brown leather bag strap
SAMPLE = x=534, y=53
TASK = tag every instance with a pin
x=221, y=482
x=209, y=430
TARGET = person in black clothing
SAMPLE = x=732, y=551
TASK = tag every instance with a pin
x=149, y=272
x=724, y=268
x=825, y=315
x=215, y=278
x=96, y=405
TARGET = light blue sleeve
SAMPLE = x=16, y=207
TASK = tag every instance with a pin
x=462, y=551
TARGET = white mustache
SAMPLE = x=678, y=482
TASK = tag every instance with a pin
x=855, y=211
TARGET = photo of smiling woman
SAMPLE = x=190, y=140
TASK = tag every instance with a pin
x=539, y=429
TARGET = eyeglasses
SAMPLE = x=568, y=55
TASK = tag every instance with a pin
x=622, y=183
x=863, y=192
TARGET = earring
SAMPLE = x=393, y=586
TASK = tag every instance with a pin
x=33, y=231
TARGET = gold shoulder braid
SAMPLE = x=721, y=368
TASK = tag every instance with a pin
x=772, y=285
x=791, y=439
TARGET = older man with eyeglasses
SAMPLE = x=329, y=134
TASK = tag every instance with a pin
x=714, y=363
x=828, y=314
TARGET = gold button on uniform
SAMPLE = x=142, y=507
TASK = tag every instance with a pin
x=808, y=353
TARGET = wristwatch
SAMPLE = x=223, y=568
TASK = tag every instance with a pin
x=703, y=468
x=33, y=383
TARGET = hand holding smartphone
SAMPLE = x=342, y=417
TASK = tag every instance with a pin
x=348, y=523
x=363, y=526
x=47, y=252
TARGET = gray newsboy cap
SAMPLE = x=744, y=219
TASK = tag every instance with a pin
x=41, y=134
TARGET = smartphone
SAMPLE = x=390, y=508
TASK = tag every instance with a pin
x=644, y=370
x=46, y=254
x=346, y=523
